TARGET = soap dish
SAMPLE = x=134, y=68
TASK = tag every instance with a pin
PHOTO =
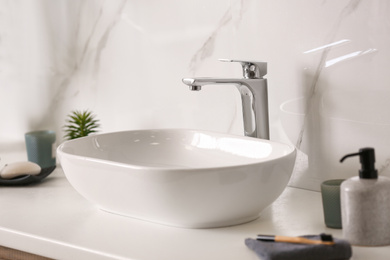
x=27, y=179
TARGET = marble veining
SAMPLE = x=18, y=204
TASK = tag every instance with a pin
x=106, y=34
x=87, y=57
x=206, y=50
x=312, y=131
x=349, y=9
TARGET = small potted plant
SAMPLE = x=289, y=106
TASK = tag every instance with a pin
x=80, y=124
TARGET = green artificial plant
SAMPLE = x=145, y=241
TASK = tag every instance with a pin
x=79, y=124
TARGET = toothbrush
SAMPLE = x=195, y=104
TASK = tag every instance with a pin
x=325, y=239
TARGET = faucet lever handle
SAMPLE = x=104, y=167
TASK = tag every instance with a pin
x=251, y=69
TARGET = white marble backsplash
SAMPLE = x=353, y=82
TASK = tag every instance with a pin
x=328, y=67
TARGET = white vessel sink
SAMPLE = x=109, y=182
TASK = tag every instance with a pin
x=177, y=177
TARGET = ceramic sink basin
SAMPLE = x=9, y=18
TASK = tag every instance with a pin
x=183, y=178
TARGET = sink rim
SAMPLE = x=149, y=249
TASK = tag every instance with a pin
x=60, y=150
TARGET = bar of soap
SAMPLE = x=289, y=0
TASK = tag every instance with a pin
x=16, y=169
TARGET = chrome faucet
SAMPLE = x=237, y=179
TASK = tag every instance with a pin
x=254, y=95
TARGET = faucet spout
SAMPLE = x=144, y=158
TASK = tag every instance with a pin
x=254, y=99
x=195, y=88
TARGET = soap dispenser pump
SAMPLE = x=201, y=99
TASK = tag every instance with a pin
x=365, y=204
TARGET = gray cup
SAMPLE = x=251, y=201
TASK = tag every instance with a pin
x=40, y=147
x=330, y=191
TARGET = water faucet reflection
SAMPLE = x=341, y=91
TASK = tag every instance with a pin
x=254, y=95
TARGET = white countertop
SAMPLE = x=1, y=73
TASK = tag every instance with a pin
x=51, y=219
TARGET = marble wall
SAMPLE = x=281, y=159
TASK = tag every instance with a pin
x=124, y=59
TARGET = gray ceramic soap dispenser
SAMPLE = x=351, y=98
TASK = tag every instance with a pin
x=365, y=204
